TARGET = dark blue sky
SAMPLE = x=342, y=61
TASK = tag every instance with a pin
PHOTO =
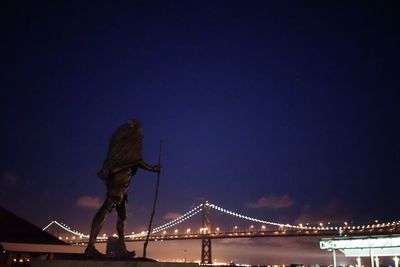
x=253, y=100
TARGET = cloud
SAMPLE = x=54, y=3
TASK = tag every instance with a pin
x=8, y=179
x=89, y=202
x=334, y=212
x=172, y=215
x=272, y=202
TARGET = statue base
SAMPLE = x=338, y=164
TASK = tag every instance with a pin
x=107, y=263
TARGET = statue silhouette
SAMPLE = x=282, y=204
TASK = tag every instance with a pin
x=124, y=157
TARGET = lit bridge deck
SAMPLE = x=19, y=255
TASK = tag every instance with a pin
x=254, y=234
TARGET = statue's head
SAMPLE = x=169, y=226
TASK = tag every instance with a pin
x=135, y=124
x=125, y=148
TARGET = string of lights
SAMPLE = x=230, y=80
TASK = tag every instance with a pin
x=66, y=228
x=220, y=209
x=199, y=208
x=321, y=227
x=172, y=223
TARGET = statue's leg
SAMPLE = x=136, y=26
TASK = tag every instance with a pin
x=99, y=219
x=117, y=189
x=121, y=212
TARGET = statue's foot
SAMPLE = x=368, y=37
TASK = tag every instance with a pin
x=125, y=254
x=92, y=253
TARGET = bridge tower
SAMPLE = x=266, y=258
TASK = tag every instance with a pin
x=206, y=231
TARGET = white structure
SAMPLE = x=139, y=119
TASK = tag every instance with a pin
x=372, y=247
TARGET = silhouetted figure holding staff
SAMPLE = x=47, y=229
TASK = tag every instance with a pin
x=124, y=157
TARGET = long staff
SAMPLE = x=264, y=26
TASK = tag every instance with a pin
x=154, y=204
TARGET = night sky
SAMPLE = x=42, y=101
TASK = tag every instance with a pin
x=286, y=111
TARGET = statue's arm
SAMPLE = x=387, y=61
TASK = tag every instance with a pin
x=143, y=165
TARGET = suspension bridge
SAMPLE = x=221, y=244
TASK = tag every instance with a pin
x=206, y=233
